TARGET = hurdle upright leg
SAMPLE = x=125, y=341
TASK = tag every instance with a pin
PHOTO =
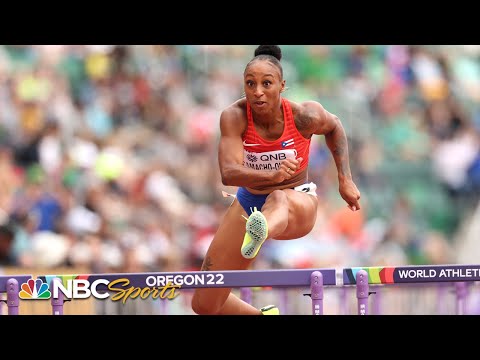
x=461, y=298
x=246, y=294
x=56, y=302
x=284, y=301
x=362, y=292
x=316, y=289
x=13, y=301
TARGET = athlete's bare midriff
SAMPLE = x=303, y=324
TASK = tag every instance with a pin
x=298, y=179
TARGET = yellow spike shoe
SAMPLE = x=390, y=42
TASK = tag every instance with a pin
x=256, y=234
x=270, y=310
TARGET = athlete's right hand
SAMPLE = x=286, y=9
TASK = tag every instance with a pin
x=287, y=169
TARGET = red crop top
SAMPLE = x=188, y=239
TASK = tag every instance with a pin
x=262, y=154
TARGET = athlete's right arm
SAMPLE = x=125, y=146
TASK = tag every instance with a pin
x=230, y=153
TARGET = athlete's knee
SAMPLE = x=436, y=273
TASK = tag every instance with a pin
x=278, y=198
x=202, y=307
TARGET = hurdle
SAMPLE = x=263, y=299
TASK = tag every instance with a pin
x=364, y=279
x=316, y=279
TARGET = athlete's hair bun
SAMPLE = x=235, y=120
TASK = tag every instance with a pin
x=272, y=50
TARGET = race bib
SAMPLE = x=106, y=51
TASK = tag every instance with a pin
x=269, y=160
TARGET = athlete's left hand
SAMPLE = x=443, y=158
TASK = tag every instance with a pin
x=349, y=192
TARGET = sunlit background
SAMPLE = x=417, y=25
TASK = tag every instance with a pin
x=108, y=157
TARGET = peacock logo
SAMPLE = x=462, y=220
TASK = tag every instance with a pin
x=34, y=289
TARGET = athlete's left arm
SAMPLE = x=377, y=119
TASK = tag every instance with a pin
x=329, y=125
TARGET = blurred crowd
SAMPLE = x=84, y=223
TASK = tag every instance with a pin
x=108, y=154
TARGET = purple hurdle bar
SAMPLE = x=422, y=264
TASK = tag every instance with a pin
x=57, y=302
x=362, y=292
x=316, y=288
x=212, y=279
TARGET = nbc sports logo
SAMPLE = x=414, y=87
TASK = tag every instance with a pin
x=34, y=289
